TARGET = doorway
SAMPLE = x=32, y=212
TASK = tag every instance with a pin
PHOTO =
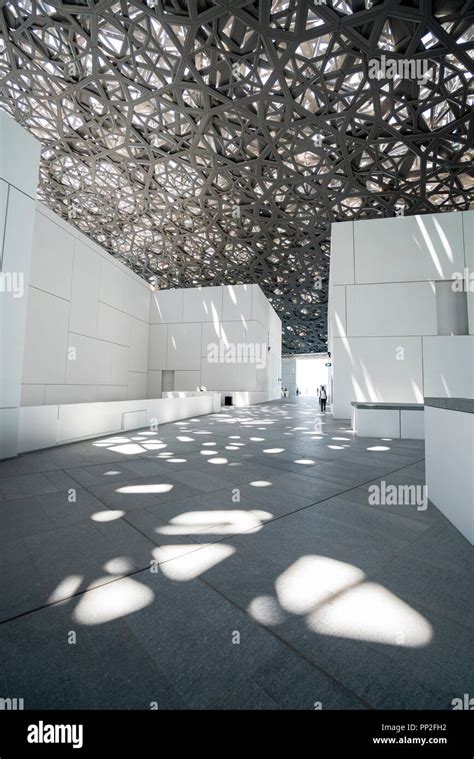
x=311, y=373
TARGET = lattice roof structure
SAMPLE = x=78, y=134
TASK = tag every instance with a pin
x=213, y=142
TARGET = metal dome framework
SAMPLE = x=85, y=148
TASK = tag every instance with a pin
x=210, y=142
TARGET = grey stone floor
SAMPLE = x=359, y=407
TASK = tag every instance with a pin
x=230, y=562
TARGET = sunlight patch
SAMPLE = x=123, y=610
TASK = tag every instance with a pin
x=371, y=612
x=107, y=516
x=312, y=580
x=266, y=610
x=112, y=601
x=160, y=487
x=187, y=567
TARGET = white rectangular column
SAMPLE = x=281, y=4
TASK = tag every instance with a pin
x=19, y=165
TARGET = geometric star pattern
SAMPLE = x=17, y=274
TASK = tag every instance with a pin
x=214, y=142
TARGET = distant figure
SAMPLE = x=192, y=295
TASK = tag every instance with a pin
x=323, y=396
x=297, y=391
x=285, y=393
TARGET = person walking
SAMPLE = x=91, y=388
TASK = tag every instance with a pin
x=323, y=396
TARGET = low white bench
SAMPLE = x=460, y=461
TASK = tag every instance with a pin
x=48, y=426
x=393, y=420
x=216, y=397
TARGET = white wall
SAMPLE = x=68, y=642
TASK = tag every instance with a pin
x=95, y=332
x=449, y=470
x=388, y=329
x=19, y=164
x=183, y=325
x=87, y=324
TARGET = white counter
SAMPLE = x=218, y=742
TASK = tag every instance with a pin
x=390, y=420
x=449, y=445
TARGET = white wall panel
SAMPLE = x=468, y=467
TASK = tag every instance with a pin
x=137, y=385
x=55, y=394
x=260, y=307
x=468, y=231
x=88, y=419
x=32, y=395
x=338, y=310
x=112, y=393
x=154, y=384
x=238, y=376
x=112, y=284
x=4, y=188
x=375, y=369
x=132, y=420
x=158, y=342
x=16, y=260
x=448, y=366
x=138, y=357
x=187, y=380
x=112, y=325
x=256, y=333
x=202, y=304
x=84, y=290
x=19, y=158
x=342, y=253
x=377, y=423
x=46, y=339
x=412, y=424
x=119, y=366
x=183, y=346
x=52, y=257
x=166, y=306
x=93, y=363
x=137, y=299
x=451, y=309
x=407, y=308
x=468, y=226
x=408, y=248
x=237, y=303
x=228, y=332
x=38, y=427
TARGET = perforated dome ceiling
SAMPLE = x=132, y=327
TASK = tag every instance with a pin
x=213, y=142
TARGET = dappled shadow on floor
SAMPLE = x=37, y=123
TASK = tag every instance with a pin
x=237, y=560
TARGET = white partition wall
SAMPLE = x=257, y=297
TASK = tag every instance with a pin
x=19, y=164
x=398, y=328
x=226, y=339
x=87, y=324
